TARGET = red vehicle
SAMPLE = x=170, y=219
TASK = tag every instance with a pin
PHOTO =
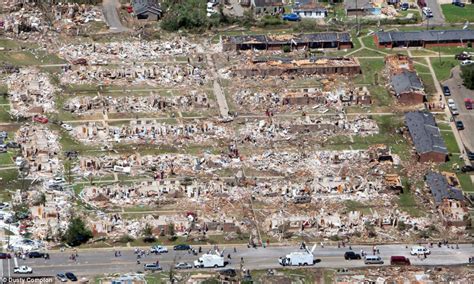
x=40, y=119
x=421, y=3
x=468, y=103
x=5, y=255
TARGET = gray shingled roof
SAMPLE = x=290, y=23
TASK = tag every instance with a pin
x=361, y=4
x=406, y=81
x=142, y=6
x=266, y=3
x=424, y=132
x=302, y=38
x=447, y=35
x=440, y=189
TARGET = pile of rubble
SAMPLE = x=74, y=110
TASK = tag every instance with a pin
x=137, y=51
x=70, y=15
x=150, y=131
x=153, y=75
x=27, y=19
x=40, y=149
x=306, y=98
x=134, y=104
x=31, y=92
x=274, y=129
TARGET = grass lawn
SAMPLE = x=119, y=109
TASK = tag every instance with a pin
x=4, y=115
x=352, y=205
x=450, y=141
x=443, y=69
x=455, y=14
x=380, y=95
x=6, y=159
x=370, y=67
x=428, y=83
x=367, y=53
x=407, y=201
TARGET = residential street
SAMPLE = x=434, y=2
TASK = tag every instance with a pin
x=109, y=8
x=438, y=18
x=103, y=261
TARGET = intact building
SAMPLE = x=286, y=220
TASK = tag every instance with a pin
x=423, y=38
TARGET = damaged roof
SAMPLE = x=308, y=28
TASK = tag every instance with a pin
x=447, y=35
x=440, y=189
x=406, y=81
x=143, y=6
x=264, y=3
x=302, y=38
x=424, y=132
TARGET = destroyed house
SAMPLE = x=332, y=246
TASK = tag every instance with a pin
x=362, y=7
x=424, y=38
x=407, y=87
x=448, y=199
x=301, y=41
x=426, y=137
x=147, y=9
x=314, y=65
x=267, y=6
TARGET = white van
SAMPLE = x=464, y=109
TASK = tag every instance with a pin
x=419, y=250
x=373, y=259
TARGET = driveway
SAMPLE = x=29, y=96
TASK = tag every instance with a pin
x=438, y=18
x=111, y=15
x=458, y=94
x=237, y=9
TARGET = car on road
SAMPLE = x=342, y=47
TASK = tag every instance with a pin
x=158, y=249
x=182, y=247
x=446, y=91
x=459, y=125
x=23, y=270
x=468, y=103
x=458, y=3
x=404, y=6
x=71, y=276
x=467, y=168
x=5, y=255
x=40, y=119
x=151, y=267
x=36, y=254
x=466, y=62
x=373, y=259
x=399, y=260
x=183, y=265
x=462, y=56
x=451, y=102
x=61, y=277
x=351, y=255
x=470, y=155
x=419, y=250
x=291, y=17
x=427, y=12
x=66, y=127
x=454, y=112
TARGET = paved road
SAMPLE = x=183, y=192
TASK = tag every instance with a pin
x=110, y=10
x=99, y=262
x=438, y=18
x=459, y=93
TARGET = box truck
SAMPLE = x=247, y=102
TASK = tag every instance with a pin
x=209, y=260
x=298, y=258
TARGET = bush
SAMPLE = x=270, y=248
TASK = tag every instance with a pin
x=77, y=233
x=268, y=20
x=286, y=48
x=125, y=239
x=467, y=75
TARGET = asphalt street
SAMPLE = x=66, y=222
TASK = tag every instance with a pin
x=458, y=94
x=99, y=262
x=109, y=8
x=438, y=18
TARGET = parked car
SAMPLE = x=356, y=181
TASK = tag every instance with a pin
x=421, y=3
x=66, y=126
x=182, y=247
x=5, y=255
x=183, y=265
x=23, y=270
x=459, y=125
x=61, y=277
x=468, y=103
x=12, y=144
x=466, y=62
x=351, y=255
x=419, y=250
x=3, y=134
x=40, y=119
x=151, y=267
x=446, y=91
x=36, y=254
x=373, y=259
x=71, y=276
x=404, y=6
x=458, y=3
x=462, y=56
x=79, y=61
x=467, y=168
x=470, y=155
x=454, y=112
x=427, y=12
x=158, y=249
x=399, y=260
x=291, y=17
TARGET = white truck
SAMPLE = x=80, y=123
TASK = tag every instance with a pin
x=209, y=260
x=298, y=258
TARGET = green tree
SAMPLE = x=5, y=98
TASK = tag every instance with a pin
x=467, y=75
x=77, y=233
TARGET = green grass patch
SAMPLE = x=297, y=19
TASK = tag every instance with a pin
x=450, y=141
x=407, y=201
x=6, y=159
x=367, y=53
x=466, y=182
x=428, y=83
x=4, y=113
x=352, y=205
x=455, y=14
x=370, y=69
x=443, y=68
